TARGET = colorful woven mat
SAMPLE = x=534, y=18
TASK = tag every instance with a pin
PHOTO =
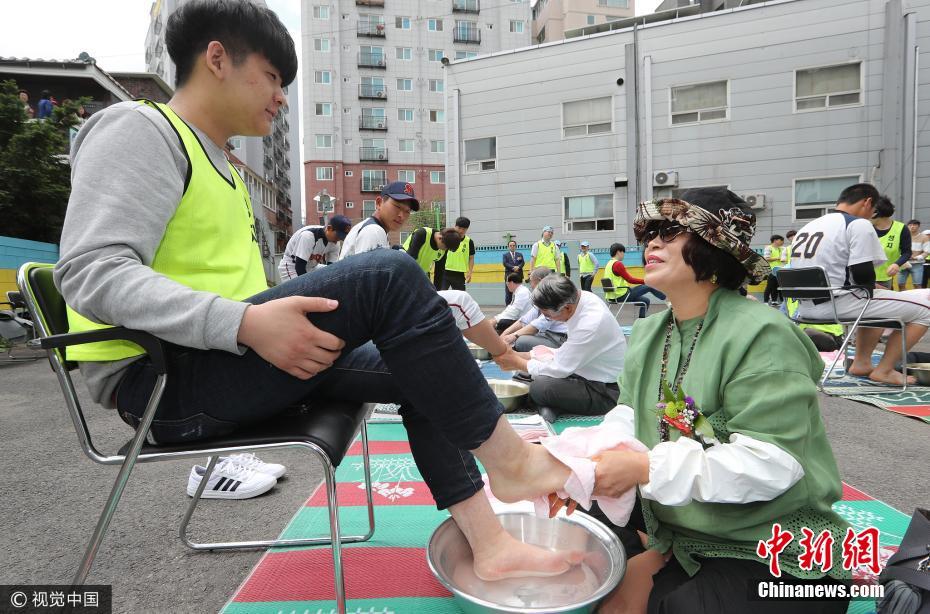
x=389, y=574
x=914, y=402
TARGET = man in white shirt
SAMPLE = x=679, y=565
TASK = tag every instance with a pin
x=581, y=377
x=844, y=243
x=392, y=209
x=518, y=307
x=313, y=245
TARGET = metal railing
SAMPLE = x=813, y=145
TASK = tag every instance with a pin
x=373, y=153
x=370, y=28
x=466, y=6
x=470, y=34
x=369, y=2
x=371, y=60
x=372, y=90
x=373, y=185
x=369, y=122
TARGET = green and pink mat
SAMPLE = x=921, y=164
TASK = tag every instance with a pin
x=389, y=574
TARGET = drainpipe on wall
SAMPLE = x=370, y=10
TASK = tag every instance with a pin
x=455, y=158
x=647, y=128
x=914, y=128
x=637, y=157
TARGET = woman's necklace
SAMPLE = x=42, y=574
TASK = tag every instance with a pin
x=674, y=388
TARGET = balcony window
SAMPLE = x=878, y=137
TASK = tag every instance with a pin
x=465, y=6
x=466, y=32
x=407, y=176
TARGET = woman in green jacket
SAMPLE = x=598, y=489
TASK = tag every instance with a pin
x=749, y=449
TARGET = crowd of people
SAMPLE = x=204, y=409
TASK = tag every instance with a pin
x=745, y=450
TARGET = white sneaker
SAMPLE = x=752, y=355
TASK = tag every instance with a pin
x=230, y=481
x=250, y=461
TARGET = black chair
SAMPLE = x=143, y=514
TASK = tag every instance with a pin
x=326, y=431
x=608, y=287
x=812, y=284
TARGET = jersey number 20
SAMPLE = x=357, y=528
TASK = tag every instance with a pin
x=798, y=248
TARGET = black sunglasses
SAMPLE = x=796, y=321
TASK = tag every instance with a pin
x=666, y=232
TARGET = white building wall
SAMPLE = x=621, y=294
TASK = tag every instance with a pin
x=761, y=148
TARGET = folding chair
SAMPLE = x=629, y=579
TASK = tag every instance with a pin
x=812, y=284
x=608, y=287
x=326, y=431
x=15, y=327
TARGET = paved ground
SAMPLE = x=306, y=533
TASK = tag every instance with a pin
x=52, y=495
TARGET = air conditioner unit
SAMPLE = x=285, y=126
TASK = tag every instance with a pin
x=665, y=179
x=381, y=124
x=381, y=156
x=755, y=201
x=380, y=94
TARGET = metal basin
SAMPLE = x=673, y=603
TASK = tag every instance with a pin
x=511, y=394
x=921, y=371
x=577, y=590
x=478, y=352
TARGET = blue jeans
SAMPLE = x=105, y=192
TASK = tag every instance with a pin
x=916, y=272
x=638, y=294
x=417, y=359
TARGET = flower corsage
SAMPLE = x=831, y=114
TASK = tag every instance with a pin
x=678, y=411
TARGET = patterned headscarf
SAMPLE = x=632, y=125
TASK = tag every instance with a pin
x=730, y=229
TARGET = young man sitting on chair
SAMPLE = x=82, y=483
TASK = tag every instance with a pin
x=159, y=236
x=616, y=272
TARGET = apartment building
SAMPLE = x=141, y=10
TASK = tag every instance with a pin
x=374, y=86
x=274, y=158
x=552, y=18
x=784, y=102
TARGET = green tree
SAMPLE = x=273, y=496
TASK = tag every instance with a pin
x=34, y=169
x=426, y=216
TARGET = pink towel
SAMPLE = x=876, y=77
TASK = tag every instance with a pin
x=575, y=447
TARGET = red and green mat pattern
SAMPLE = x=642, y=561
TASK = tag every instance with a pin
x=389, y=574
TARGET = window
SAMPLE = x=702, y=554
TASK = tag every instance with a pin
x=402, y=23
x=828, y=86
x=321, y=45
x=405, y=145
x=368, y=208
x=372, y=181
x=324, y=141
x=350, y=204
x=407, y=176
x=434, y=25
x=589, y=212
x=516, y=26
x=436, y=85
x=437, y=117
x=348, y=173
x=590, y=20
x=404, y=53
x=324, y=173
x=437, y=146
x=614, y=4
x=586, y=117
x=322, y=76
x=320, y=12
x=481, y=155
x=816, y=197
x=701, y=102
x=405, y=85
x=465, y=55
x=405, y=115
x=437, y=177
x=324, y=109
x=435, y=55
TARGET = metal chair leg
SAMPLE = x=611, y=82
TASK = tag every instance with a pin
x=119, y=485
x=333, y=504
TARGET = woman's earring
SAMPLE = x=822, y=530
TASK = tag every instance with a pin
x=713, y=278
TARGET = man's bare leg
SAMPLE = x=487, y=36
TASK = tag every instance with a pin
x=497, y=554
x=519, y=470
x=885, y=371
x=866, y=340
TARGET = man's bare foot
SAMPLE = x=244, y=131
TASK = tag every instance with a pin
x=861, y=368
x=532, y=473
x=891, y=377
x=507, y=557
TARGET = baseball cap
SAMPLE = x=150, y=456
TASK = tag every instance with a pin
x=341, y=224
x=401, y=192
x=585, y=244
x=547, y=229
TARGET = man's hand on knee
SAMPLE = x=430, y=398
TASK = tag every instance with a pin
x=280, y=332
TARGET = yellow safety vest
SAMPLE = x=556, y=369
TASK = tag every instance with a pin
x=427, y=255
x=545, y=254
x=585, y=263
x=833, y=329
x=209, y=244
x=621, y=286
x=891, y=243
x=458, y=260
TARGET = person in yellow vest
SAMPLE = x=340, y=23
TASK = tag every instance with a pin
x=546, y=253
x=624, y=283
x=587, y=266
x=460, y=262
x=826, y=337
x=169, y=247
x=426, y=245
x=895, y=239
x=773, y=253
x=914, y=268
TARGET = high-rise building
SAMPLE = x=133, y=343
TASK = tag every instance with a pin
x=374, y=83
x=275, y=158
x=552, y=18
